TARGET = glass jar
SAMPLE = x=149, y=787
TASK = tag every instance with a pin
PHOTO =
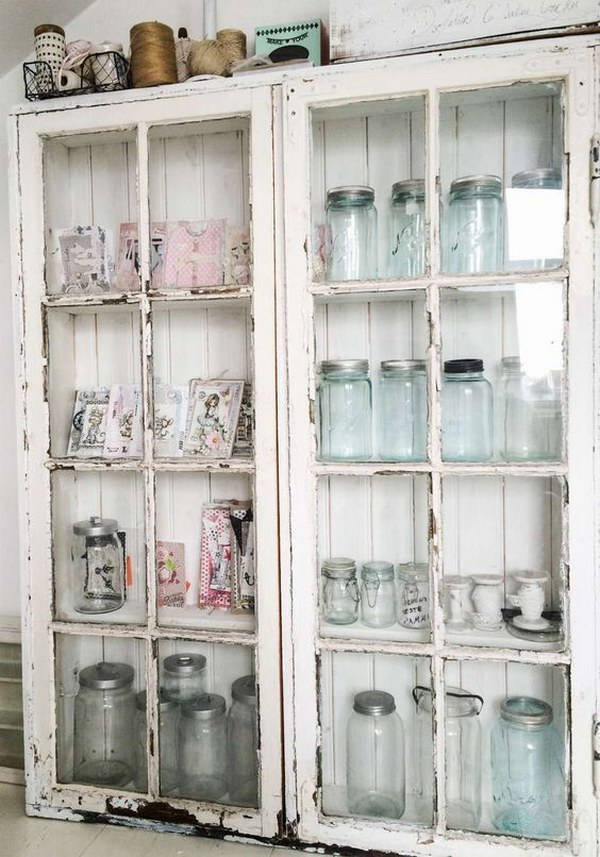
x=184, y=677
x=545, y=178
x=467, y=412
x=169, y=718
x=408, y=232
x=528, y=780
x=345, y=410
x=352, y=227
x=413, y=595
x=98, y=566
x=375, y=775
x=203, y=748
x=340, y=591
x=475, y=231
x=378, y=594
x=242, y=741
x=402, y=414
x=518, y=422
x=463, y=753
x=103, y=742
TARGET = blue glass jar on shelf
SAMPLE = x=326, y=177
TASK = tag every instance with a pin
x=402, y=417
x=474, y=233
x=345, y=411
x=352, y=233
x=407, y=227
x=467, y=412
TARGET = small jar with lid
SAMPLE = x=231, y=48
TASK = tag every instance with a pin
x=184, y=677
x=352, y=229
x=413, y=595
x=467, y=412
x=242, y=740
x=98, y=566
x=402, y=417
x=544, y=178
x=169, y=718
x=474, y=242
x=345, y=411
x=408, y=231
x=203, y=748
x=340, y=591
x=378, y=594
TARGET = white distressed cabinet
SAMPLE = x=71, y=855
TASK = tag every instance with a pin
x=265, y=149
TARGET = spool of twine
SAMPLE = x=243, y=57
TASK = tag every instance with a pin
x=208, y=57
x=234, y=44
x=152, y=54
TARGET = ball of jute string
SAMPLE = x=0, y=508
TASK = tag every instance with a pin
x=208, y=57
x=153, y=59
x=234, y=43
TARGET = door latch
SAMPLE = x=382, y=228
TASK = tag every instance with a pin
x=595, y=179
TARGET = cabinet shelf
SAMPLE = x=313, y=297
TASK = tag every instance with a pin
x=386, y=468
x=139, y=632
x=206, y=293
x=110, y=299
x=182, y=465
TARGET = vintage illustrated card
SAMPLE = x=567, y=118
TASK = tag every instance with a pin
x=242, y=445
x=127, y=273
x=124, y=433
x=170, y=571
x=212, y=418
x=237, y=256
x=194, y=254
x=244, y=581
x=216, y=557
x=170, y=414
x=86, y=257
x=88, y=425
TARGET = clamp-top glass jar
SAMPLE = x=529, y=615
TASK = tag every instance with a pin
x=184, y=677
x=413, y=595
x=242, y=739
x=378, y=594
x=402, y=418
x=340, y=591
x=475, y=233
x=98, y=566
x=203, y=748
x=467, y=412
x=352, y=228
x=407, y=224
x=345, y=410
x=169, y=718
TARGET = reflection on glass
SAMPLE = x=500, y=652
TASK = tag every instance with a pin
x=535, y=207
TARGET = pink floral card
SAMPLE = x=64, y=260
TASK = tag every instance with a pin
x=194, y=255
x=216, y=557
x=170, y=571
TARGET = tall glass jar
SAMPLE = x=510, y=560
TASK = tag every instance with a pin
x=518, y=422
x=402, y=417
x=375, y=756
x=544, y=178
x=467, y=412
x=169, y=719
x=528, y=780
x=203, y=748
x=98, y=566
x=242, y=740
x=474, y=241
x=352, y=228
x=340, y=591
x=378, y=594
x=184, y=677
x=413, y=595
x=103, y=741
x=408, y=232
x=345, y=410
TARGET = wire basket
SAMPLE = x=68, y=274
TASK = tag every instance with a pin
x=105, y=72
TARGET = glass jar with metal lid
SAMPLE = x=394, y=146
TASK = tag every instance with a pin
x=474, y=242
x=467, y=412
x=345, y=410
x=408, y=232
x=375, y=753
x=203, y=748
x=169, y=718
x=340, y=591
x=528, y=780
x=184, y=677
x=242, y=741
x=402, y=412
x=413, y=595
x=103, y=743
x=378, y=594
x=352, y=228
x=541, y=179
x=98, y=566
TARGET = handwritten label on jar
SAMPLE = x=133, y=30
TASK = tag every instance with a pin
x=413, y=609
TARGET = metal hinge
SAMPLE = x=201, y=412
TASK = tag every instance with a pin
x=595, y=179
x=596, y=754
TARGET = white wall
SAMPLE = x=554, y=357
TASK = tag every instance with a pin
x=103, y=20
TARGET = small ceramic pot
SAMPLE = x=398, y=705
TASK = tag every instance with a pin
x=530, y=598
x=488, y=599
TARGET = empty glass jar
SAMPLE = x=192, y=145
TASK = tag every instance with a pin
x=345, y=410
x=184, y=677
x=242, y=739
x=402, y=418
x=169, y=719
x=528, y=780
x=340, y=591
x=544, y=178
x=375, y=756
x=203, y=748
x=474, y=241
x=532, y=422
x=378, y=594
x=98, y=566
x=413, y=595
x=408, y=233
x=467, y=412
x=352, y=228
x=103, y=743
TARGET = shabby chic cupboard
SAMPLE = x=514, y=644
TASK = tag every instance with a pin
x=265, y=150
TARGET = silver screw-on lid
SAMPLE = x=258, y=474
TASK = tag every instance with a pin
x=544, y=177
x=244, y=689
x=328, y=366
x=526, y=711
x=412, y=187
x=482, y=181
x=96, y=526
x=165, y=702
x=378, y=570
x=184, y=665
x=357, y=192
x=205, y=707
x=106, y=675
x=374, y=703
x=403, y=366
x=339, y=567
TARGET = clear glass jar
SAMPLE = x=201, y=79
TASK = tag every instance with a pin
x=169, y=719
x=474, y=241
x=340, y=591
x=203, y=748
x=402, y=417
x=184, y=677
x=467, y=412
x=528, y=780
x=98, y=566
x=408, y=230
x=518, y=423
x=375, y=756
x=544, y=178
x=378, y=595
x=242, y=740
x=463, y=753
x=103, y=742
x=345, y=410
x=352, y=227
x=413, y=595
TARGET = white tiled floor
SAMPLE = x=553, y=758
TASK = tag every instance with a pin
x=37, y=837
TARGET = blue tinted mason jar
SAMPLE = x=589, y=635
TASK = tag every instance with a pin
x=352, y=228
x=407, y=224
x=467, y=412
x=474, y=239
x=402, y=417
x=528, y=781
x=345, y=410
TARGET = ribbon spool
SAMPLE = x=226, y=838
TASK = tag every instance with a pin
x=153, y=59
x=208, y=57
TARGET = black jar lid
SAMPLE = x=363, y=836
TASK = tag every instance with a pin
x=461, y=367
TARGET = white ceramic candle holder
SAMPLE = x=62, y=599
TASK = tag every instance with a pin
x=488, y=598
x=530, y=598
x=457, y=588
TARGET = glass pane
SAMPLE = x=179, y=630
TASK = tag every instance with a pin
x=372, y=745
x=502, y=174
x=199, y=204
x=373, y=224
x=90, y=184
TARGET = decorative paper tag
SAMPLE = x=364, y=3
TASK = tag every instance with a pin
x=242, y=524
x=245, y=428
x=127, y=274
x=170, y=413
x=124, y=436
x=85, y=253
x=170, y=570
x=194, y=254
x=88, y=425
x=215, y=557
x=237, y=256
x=213, y=413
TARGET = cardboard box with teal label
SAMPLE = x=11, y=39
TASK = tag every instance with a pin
x=301, y=40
